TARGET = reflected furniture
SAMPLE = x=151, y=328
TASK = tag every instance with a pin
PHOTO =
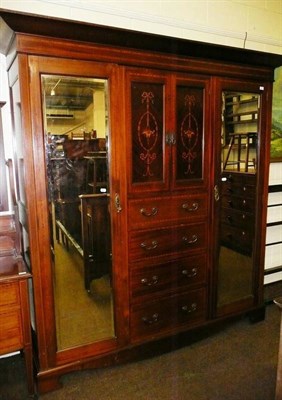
x=96, y=237
x=175, y=225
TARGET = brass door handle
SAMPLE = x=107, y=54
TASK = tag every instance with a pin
x=216, y=193
x=117, y=203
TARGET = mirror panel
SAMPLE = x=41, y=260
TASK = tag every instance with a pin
x=239, y=139
x=75, y=112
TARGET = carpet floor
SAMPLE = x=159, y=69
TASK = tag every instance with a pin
x=237, y=363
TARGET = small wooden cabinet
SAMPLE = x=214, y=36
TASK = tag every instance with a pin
x=15, y=325
x=238, y=205
x=181, y=222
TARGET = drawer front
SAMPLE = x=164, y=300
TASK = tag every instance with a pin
x=168, y=276
x=237, y=239
x=11, y=337
x=237, y=218
x=238, y=189
x=162, y=242
x=170, y=313
x=9, y=294
x=239, y=179
x=238, y=203
x=156, y=211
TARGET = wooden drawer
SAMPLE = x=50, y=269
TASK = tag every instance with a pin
x=238, y=179
x=162, y=242
x=9, y=294
x=237, y=218
x=243, y=204
x=155, y=212
x=239, y=240
x=155, y=318
x=11, y=337
x=238, y=189
x=168, y=276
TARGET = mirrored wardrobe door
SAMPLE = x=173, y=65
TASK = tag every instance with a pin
x=236, y=198
x=76, y=136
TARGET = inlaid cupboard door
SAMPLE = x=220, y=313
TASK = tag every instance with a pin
x=148, y=122
x=168, y=130
x=191, y=128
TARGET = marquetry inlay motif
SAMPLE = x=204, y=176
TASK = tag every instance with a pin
x=147, y=133
x=189, y=135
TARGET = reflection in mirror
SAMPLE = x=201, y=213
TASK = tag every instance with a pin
x=75, y=114
x=240, y=116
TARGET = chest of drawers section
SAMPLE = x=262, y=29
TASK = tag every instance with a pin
x=238, y=203
x=167, y=264
x=15, y=326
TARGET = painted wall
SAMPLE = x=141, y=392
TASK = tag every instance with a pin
x=254, y=24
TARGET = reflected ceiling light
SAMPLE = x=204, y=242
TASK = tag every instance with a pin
x=53, y=89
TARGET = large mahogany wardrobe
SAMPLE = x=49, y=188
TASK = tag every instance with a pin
x=142, y=176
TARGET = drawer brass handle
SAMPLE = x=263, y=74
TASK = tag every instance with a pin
x=187, y=310
x=192, y=273
x=194, y=239
x=152, y=282
x=151, y=246
x=146, y=213
x=153, y=320
x=194, y=207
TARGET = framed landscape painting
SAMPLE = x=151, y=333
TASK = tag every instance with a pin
x=276, y=130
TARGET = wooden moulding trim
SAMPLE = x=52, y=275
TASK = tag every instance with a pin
x=110, y=36
x=43, y=46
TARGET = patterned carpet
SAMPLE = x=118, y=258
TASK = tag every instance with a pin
x=237, y=363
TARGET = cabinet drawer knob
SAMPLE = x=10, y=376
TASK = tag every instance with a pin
x=153, y=320
x=151, y=246
x=154, y=280
x=190, y=274
x=193, y=239
x=189, y=310
x=146, y=213
x=193, y=207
